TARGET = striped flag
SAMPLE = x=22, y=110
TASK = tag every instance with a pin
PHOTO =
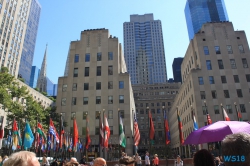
x=195, y=123
x=166, y=128
x=107, y=132
x=101, y=132
x=52, y=130
x=180, y=128
x=225, y=115
x=136, y=132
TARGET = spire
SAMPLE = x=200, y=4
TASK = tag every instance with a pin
x=42, y=79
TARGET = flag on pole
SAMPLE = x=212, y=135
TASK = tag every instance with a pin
x=61, y=134
x=195, y=123
x=152, y=129
x=40, y=130
x=238, y=113
x=52, y=130
x=136, y=131
x=1, y=131
x=122, y=135
x=75, y=135
x=180, y=128
x=15, y=135
x=225, y=115
x=107, y=133
x=166, y=128
x=29, y=137
x=19, y=136
x=209, y=121
x=88, y=140
x=101, y=132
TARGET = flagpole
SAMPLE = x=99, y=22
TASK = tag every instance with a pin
x=103, y=133
x=86, y=152
x=164, y=111
x=47, y=137
x=149, y=130
x=222, y=111
x=100, y=144
x=134, y=147
x=119, y=133
x=237, y=111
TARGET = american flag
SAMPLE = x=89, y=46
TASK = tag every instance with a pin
x=52, y=130
x=136, y=132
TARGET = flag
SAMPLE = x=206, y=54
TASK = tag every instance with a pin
x=70, y=143
x=238, y=114
x=167, y=132
x=40, y=130
x=151, y=129
x=15, y=135
x=180, y=128
x=209, y=121
x=19, y=136
x=106, y=133
x=29, y=137
x=88, y=141
x=75, y=135
x=101, y=132
x=52, y=130
x=61, y=133
x=195, y=123
x=122, y=135
x=225, y=115
x=136, y=132
x=48, y=141
x=1, y=131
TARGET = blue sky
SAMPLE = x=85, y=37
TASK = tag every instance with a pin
x=62, y=21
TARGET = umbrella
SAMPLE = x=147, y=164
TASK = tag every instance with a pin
x=216, y=132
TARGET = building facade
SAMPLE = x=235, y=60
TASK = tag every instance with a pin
x=198, y=12
x=42, y=79
x=215, y=72
x=95, y=83
x=176, y=67
x=144, y=50
x=34, y=76
x=157, y=98
x=28, y=50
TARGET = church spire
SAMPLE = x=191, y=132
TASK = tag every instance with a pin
x=42, y=79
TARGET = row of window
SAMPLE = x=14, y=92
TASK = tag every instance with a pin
x=228, y=109
x=152, y=104
x=218, y=51
x=226, y=94
x=223, y=79
x=232, y=62
x=98, y=57
x=98, y=71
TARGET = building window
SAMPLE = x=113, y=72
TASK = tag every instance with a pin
x=87, y=57
x=244, y=62
x=86, y=86
x=73, y=101
x=233, y=64
x=242, y=108
x=110, y=55
x=121, y=99
x=64, y=88
x=75, y=72
x=223, y=79
x=110, y=114
x=141, y=111
x=99, y=56
x=203, y=94
x=76, y=58
x=229, y=49
x=84, y=115
x=206, y=51
x=74, y=88
x=220, y=63
x=204, y=110
x=97, y=114
x=209, y=65
x=153, y=111
x=217, y=49
x=110, y=99
x=111, y=130
x=98, y=99
x=216, y=109
x=226, y=94
x=84, y=130
x=122, y=114
x=239, y=93
x=85, y=101
x=99, y=71
x=86, y=73
x=97, y=131
x=121, y=84
x=211, y=79
x=229, y=109
x=201, y=82
x=214, y=94
x=98, y=85
x=163, y=103
x=110, y=70
x=158, y=111
x=110, y=85
x=248, y=77
x=63, y=103
x=236, y=79
x=73, y=115
x=241, y=49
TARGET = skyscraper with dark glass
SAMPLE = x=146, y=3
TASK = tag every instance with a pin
x=198, y=12
x=144, y=50
x=176, y=66
x=29, y=41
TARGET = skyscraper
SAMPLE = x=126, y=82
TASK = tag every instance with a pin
x=176, y=66
x=29, y=41
x=35, y=71
x=144, y=50
x=198, y=12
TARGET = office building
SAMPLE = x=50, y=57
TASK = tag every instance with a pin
x=35, y=71
x=29, y=44
x=198, y=12
x=96, y=79
x=214, y=71
x=144, y=50
x=176, y=67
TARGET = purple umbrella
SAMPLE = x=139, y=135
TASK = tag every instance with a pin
x=216, y=132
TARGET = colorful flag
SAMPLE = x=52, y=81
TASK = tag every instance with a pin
x=238, y=114
x=48, y=141
x=29, y=137
x=180, y=128
x=225, y=115
x=40, y=130
x=61, y=133
x=121, y=134
x=106, y=133
x=19, y=136
x=1, y=131
x=136, y=132
x=15, y=135
x=88, y=140
x=75, y=135
x=52, y=130
x=167, y=132
x=209, y=121
x=195, y=123
x=101, y=132
x=151, y=129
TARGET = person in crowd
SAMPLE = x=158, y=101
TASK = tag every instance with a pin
x=138, y=159
x=22, y=158
x=83, y=160
x=147, y=160
x=235, y=145
x=1, y=161
x=5, y=158
x=156, y=160
x=55, y=163
x=45, y=161
x=63, y=162
x=99, y=162
x=178, y=161
x=203, y=157
x=74, y=161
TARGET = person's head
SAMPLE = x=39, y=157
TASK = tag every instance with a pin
x=71, y=164
x=178, y=158
x=203, y=157
x=22, y=158
x=147, y=153
x=155, y=155
x=83, y=157
x=236, y=145
x=123, y=154
x=136, y=154
x=99, y=162
x=73, y=159
x=5, y=157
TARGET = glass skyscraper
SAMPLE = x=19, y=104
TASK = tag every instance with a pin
x=176, y=66
x=198, y=12
x=35, y=71
x=29, y=42
x=144, y=50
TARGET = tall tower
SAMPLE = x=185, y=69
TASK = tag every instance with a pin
x=144, y=50
x=176, y=66
x=42, y=79
x=198, y=12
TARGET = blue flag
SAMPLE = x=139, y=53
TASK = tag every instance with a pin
x=28, y=136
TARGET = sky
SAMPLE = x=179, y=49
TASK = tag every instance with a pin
x=61, y=21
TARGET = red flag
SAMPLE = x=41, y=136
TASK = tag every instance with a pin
x=225, y=115
x=152, y=129
x=106, y=132
x=136, y=132
x=209, y=121
x=88, y=140
x=75, y=135
x=167, y=132
x=61, y=134
x=180, y=128
x=101, y=132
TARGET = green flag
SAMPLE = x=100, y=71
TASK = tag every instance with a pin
x=122, y=135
